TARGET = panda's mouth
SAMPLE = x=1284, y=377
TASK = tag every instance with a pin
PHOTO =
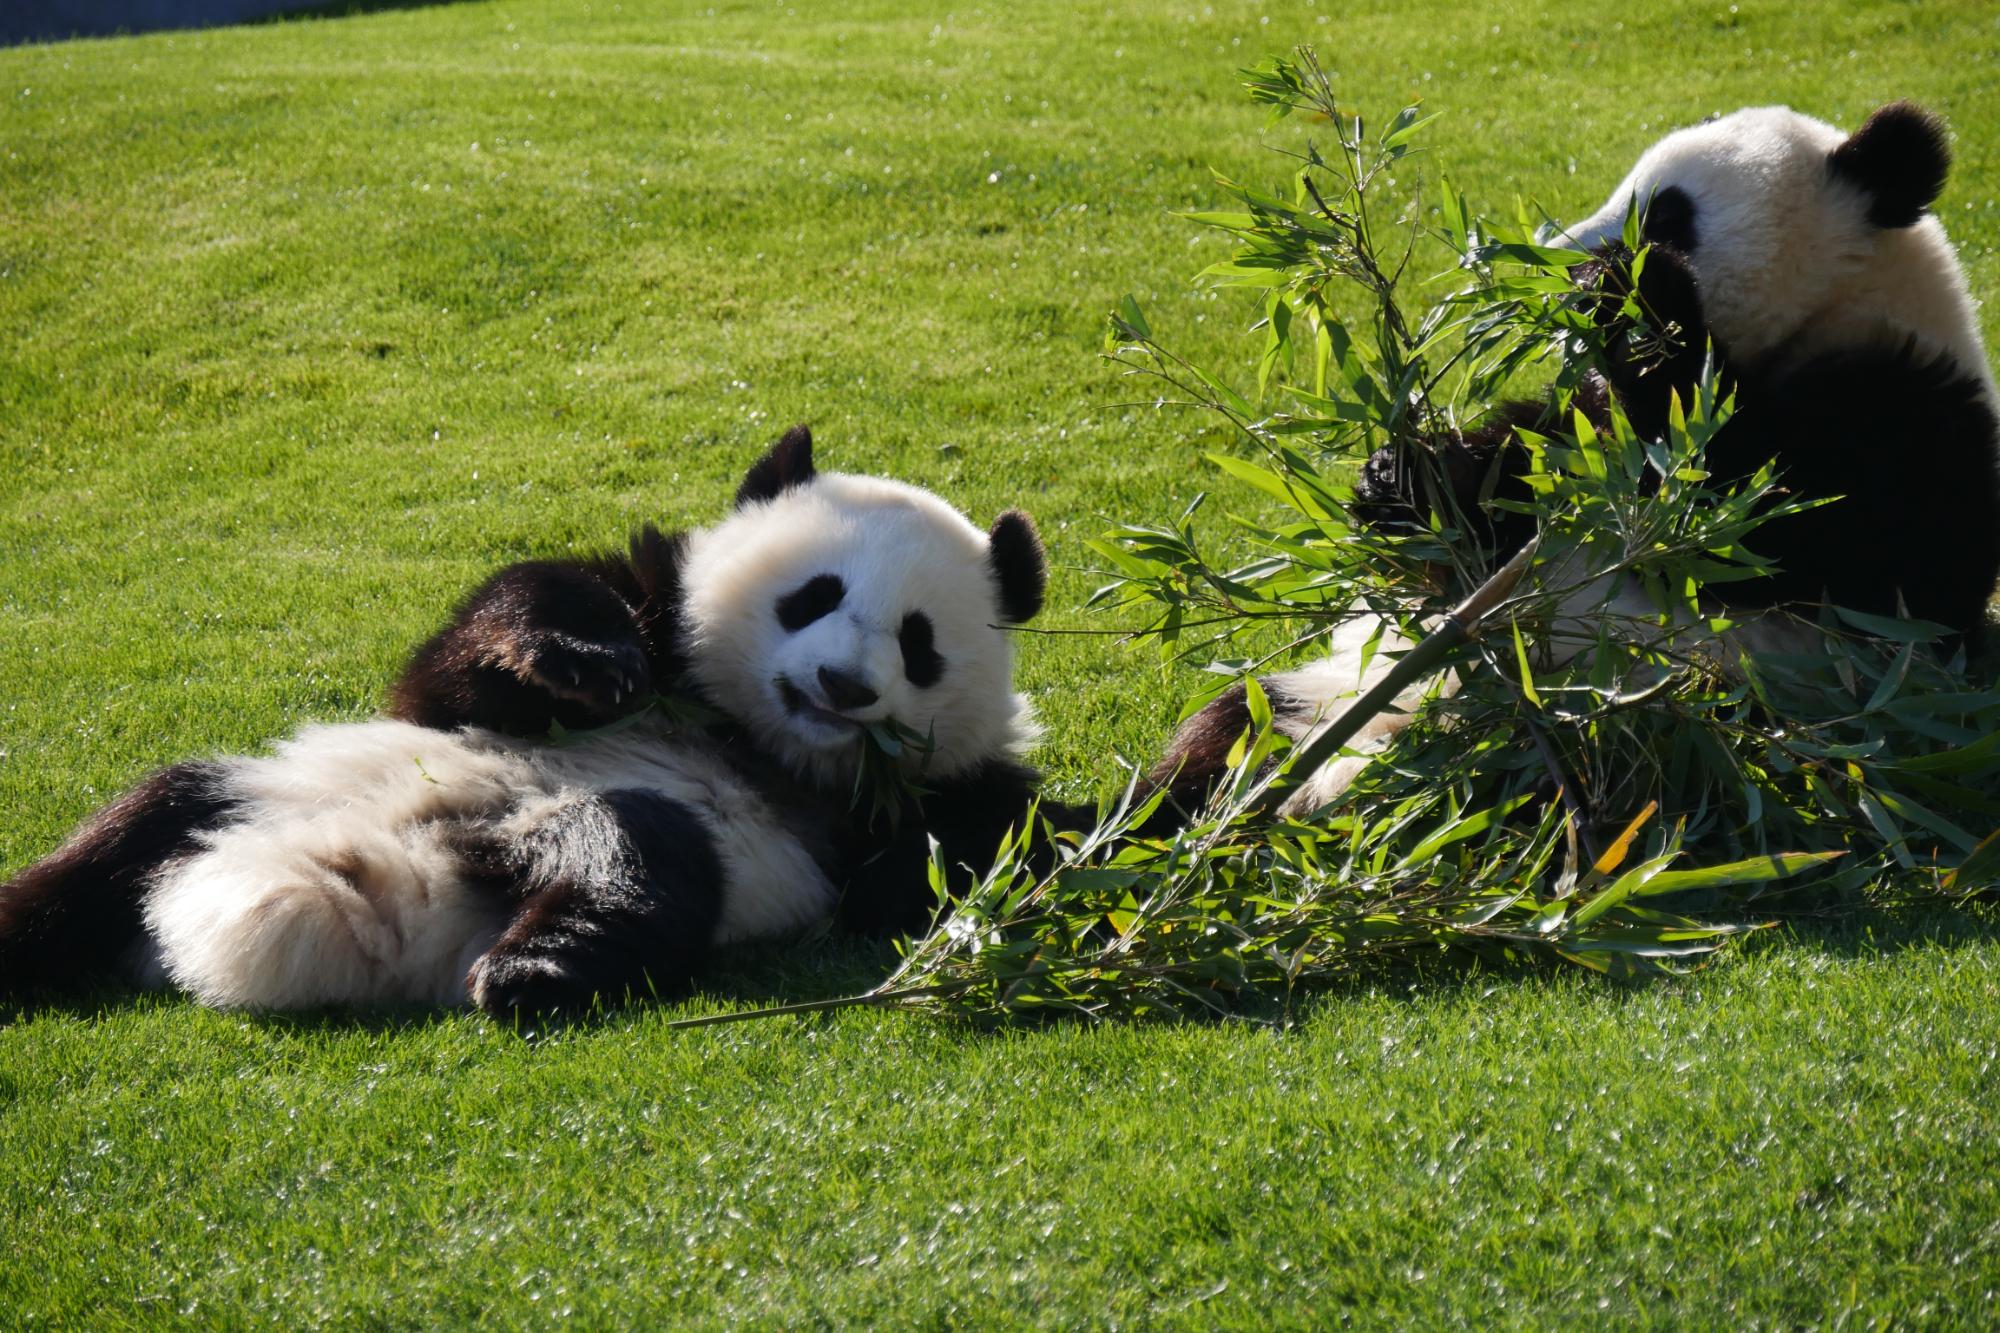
x=800, y=705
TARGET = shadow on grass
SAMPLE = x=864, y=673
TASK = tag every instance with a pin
x=833, y=968
x=1885, y=930
x=107, y=999
x=27, y=21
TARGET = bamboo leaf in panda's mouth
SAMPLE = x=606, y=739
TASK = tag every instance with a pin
x=883, y=781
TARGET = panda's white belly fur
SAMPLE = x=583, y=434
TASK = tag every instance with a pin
x=336, y=882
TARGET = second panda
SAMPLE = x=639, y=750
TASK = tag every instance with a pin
x=1811, y=262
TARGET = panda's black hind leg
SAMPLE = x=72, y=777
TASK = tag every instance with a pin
x=621, y=896
x=73, y=916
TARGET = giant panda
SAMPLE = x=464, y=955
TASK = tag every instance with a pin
x=1837, y=310
x=451, y=851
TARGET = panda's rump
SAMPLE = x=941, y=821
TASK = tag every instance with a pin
x=361, y=865
x=279, y=914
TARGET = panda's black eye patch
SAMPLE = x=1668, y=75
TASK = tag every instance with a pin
x=1670, y=220
x=810, y=600
x=921, y=662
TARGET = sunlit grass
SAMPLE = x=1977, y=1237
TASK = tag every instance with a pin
x=307, y=325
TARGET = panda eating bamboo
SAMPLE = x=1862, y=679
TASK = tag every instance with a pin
x=449, y=852
x=1839, y=315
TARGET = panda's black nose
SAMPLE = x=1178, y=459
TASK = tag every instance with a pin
x=845, y=692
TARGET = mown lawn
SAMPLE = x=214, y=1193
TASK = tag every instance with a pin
x=304, y=325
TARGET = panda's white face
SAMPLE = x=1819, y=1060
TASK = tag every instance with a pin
x=848, y=600
x=1748, y=200
x=1802, y=238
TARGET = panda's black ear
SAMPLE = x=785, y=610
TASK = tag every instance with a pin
x=788, y=464
x=1014, y=552
x=1898, y=159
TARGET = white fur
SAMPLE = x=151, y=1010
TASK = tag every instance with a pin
x=1320, y=691
x=774, y=885
x=331, y=886
x=897, y=549
x=335, y=884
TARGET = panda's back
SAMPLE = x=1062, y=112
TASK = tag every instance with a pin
x=1900, y=437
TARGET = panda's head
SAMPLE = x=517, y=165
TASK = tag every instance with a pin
x=1800, y=237
x=827, y=602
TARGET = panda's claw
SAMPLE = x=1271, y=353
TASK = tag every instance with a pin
x=606, y=678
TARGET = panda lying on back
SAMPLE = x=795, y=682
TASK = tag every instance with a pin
x=445, y=854
x=1837, y=309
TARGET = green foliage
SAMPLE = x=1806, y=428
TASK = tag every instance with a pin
x=889, y=778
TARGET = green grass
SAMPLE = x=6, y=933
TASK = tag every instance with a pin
x=303, y=326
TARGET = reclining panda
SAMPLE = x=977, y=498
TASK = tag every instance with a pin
x=450, y=852
x=1838, y=310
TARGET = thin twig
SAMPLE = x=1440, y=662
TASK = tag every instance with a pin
x=874, y=999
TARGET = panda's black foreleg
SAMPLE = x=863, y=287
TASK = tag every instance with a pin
x=538, y=644
x=1650, y=360
x=888, y=891
x=621, y=893
x=73, y=916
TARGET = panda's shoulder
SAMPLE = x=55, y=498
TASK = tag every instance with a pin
x=1895, y=377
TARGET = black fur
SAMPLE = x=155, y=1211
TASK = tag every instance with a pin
x=1906, y=438
x=789, y=463
x=1020, y=565
x=1899, y=158
x=916, y=637
x=818, y=596
x=884, y=868
x=1198, y=755
x=543, y=642
x=1671, y=220
x=74, y=916
x=638, y=926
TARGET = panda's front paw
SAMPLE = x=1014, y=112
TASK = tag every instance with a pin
x=608, y=678
x=1382, y=490
x=1668, y=300
x=514, y=990
x=1387, y=492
